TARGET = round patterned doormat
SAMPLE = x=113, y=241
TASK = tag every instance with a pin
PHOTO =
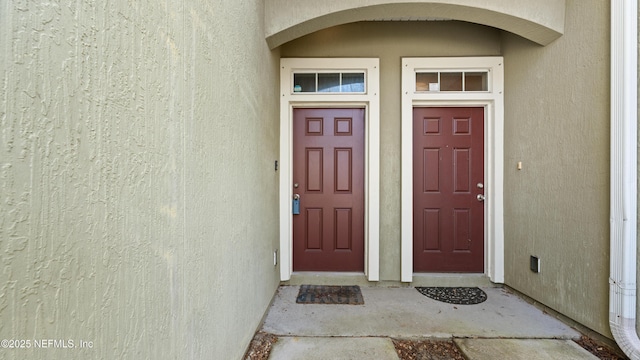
x=454, y=295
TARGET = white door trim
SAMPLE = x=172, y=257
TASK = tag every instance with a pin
x=369, y=100
x=493, y=102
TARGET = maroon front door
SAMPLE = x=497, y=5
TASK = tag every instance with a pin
x=448, y=189
x=328, y=177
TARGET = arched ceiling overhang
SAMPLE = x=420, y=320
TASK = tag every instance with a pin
x=541, y=21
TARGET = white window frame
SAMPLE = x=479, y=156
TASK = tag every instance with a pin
x=369, y=100
x=493, y=103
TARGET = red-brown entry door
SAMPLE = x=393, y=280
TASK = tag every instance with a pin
x=328, y=174
x=448, y=189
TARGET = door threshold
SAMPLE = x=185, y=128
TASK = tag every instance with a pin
x=451, y=280
x=327, y=278
x=360, y=279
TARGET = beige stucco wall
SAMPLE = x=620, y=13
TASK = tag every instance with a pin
x=138, y=197
x=390, y=41
x=557, y=206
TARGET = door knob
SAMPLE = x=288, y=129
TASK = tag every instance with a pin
x=480, y=197
x=296, y=196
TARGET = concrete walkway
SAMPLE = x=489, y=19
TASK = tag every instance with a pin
x=503, y=327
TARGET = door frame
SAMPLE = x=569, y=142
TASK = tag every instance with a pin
x=368, y=100
x=492, y=101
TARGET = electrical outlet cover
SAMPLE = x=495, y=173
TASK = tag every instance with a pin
x=534, y=264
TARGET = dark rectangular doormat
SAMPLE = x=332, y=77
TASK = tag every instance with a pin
x=322, y=294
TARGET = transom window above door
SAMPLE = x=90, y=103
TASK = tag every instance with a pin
x=336, y=82
x=452, y=81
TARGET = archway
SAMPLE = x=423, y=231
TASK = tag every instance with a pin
x=540, y=21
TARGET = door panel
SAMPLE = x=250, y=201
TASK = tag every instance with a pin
x=314, y=165
x=431, y=229
x=314, y=228
x=328, y=168
x=448, y=163
x=342, y=172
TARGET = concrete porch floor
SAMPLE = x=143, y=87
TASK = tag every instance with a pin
x=503, y=327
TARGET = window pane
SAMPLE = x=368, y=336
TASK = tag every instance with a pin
x=304, y=82
x=329, y=82
x=427, y=81
x=475, y=81
x=451, y=81
x=352, y=82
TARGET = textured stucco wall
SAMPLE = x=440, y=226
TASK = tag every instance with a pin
x=557, y=206
x=138, y=197
x=390, y=41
